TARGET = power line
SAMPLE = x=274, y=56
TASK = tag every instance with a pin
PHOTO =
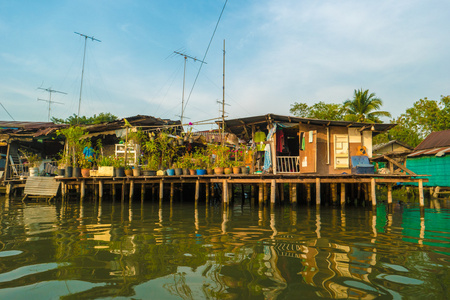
x=7, y=111
x=206, y=52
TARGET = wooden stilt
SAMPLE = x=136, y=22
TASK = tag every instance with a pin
x=421, y=199
x=161, y=190
x=225, y=192
x=171, y=191
x=373, y=192
x=113, y=190
x=281, y=189
x=273, y=187
x=334, y=193
x=131, y=190
x=197, y=190
x=207, y=190
x=124, y=187
x=389, y=193
x=317, y=191
x=342, y=194
x=100, y=189
x=294, y=193
x=63, y=189
x=266, y=192
x=261, y=193
x=83, y=189
x=252, y=195
x=142, y=192
x=308, y=193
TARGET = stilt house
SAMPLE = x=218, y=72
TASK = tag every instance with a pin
x=303, y=145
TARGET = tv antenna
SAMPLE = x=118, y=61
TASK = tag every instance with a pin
x=49, y=101
x=184, y=77
x=82, y=70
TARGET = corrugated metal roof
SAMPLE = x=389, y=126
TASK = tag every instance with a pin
x=435, y=139
x=235, y=125
x=24, y=125
x=434, y=151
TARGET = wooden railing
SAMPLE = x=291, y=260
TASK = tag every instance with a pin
x=18, y=171
x=288, y=164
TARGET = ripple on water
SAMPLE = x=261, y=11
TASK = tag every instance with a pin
x=10, y=253
x=400, y=279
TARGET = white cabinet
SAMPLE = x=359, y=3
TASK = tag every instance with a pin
x=132, y=155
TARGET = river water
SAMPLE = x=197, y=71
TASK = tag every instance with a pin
x=148, y=250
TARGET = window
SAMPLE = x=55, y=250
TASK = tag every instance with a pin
x=341, y=159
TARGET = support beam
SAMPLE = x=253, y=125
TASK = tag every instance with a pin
x=294, y=193
x=308, y=193
x=197, y=190
x=207, y=189
x=342, y=194
x=161, y=190
x=225, y=192
x=131, y=190
x=421, y=199
x=100, y=189
x=142, y=192
x=389, y=193
x=273, y=187
x=83, y=189
x=318, y=191
x=373, y=192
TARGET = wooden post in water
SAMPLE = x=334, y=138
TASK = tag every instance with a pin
x=273, y=187
x=207, y=187
x=100, y=189
x=131, y=190
x=83, y=189
x=318, y=191
x=308, y=193
x=161, y=190
x=266, y=192
x=63, y=189
x=260, y=193
x=225, y=192
x=197, y=190
x=373, y=192
x=281, y=189
x=142, y=192
x=342, y=194
x=421, y=199
x=171, y=191
x=294, y=193
x=389, y=193
x=334, y=193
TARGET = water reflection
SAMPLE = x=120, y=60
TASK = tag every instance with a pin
x=200, y=251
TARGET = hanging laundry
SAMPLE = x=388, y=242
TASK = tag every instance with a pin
x=267, y=158
x=280, y=140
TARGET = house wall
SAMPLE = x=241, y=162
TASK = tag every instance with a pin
x=437, y=167
x=326, y=164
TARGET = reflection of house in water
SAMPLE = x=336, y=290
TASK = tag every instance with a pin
x=38, y=219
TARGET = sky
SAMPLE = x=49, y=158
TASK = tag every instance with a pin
x=276, y=53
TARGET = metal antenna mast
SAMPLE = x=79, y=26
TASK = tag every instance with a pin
x=82, y=70
x=184, y=77
x=49, y=101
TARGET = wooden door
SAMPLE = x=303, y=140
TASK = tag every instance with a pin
x=308, y=151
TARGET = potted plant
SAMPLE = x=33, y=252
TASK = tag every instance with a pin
x=119, y=168
x=84, y=164
x=128, y=171
x=33, y=161
x=74, y=144
x=136, y=170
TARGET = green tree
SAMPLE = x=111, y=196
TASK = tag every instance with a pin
x=320, y=110
x=95, y=119
x=364, y=108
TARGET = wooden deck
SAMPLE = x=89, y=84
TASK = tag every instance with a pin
x=264, y=183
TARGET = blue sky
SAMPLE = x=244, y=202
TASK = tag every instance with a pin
x=277, y=53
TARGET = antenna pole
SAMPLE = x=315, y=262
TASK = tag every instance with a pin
x=184, y=80
x=50, y=91
x=223, y=97
x=82, y=69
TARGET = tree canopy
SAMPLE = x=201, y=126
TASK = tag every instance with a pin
x=364, y=108
x=320, y=110
x=95, y=119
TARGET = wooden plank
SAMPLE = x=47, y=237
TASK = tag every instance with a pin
x=41, y=186
x=399, y=165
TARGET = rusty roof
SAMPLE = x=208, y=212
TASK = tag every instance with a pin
x=436, y=139
x=24, y=125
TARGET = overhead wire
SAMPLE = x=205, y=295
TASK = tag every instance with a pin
x=206, y=53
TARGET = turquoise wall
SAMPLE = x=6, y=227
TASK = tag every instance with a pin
x=437, y=167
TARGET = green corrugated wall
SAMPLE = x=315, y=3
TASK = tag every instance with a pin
x=437, y=167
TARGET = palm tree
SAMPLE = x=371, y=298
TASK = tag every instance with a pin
x=364, y=108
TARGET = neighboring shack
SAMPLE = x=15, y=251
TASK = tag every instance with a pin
x=432, y=157
x=302, y=145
